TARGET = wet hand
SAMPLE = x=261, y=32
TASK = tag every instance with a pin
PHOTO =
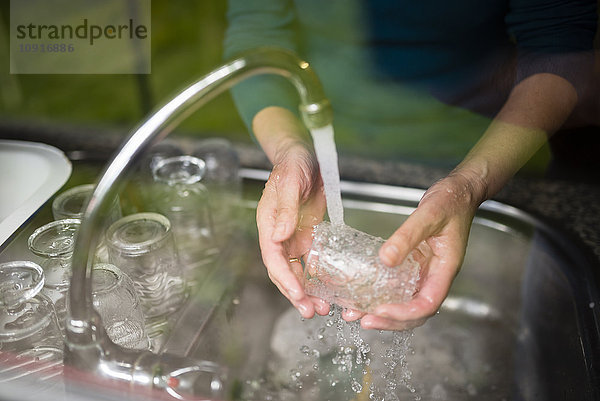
x=291, y=204
x=441, y=223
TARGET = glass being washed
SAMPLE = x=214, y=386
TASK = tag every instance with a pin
x=118, y=304
x=142, y=246
x=30, y=340
x=343, y=267
x=183, y=199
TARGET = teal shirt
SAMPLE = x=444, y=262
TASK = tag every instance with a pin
x=406, y=75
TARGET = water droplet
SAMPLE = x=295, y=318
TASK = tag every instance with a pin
x=356, y=386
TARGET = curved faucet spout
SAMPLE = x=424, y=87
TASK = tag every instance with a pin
x=316, y=112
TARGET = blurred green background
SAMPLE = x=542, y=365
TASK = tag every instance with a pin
x=187, y=42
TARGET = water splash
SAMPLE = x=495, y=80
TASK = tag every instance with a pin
x=340, y=361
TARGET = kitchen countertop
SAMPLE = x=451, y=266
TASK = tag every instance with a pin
x=571, y=207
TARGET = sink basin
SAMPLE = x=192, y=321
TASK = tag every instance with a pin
x=31, y=174
x=521, y=321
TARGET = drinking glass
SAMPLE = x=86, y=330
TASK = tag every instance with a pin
x=54, y=243
x=183, y=199
x=30, y=339
x=142, y=246
x=156, y=153
x=118, y=304
x=343, y=267
x=71, y=204
x=143, y=196
x=222, y=161
x=222, y=180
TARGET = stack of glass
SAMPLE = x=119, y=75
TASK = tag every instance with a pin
x=30, y=339
x=155, y=154
x=71, y=205
x=222, y=180
x=184, y=200
x=144, y=197
x=118, y=304
x=142, y=246
x=54, y=243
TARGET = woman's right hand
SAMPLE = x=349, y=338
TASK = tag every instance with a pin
x=292, y=202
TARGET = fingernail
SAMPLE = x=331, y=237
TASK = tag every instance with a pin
x=302, y=309
x=279, y=231
x=322, y=306
x=350, y=313
x=390, y=252
x=321, y=301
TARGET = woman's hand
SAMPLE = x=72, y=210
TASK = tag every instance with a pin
x=292, y=202
x=441, y=223
x=536, y=107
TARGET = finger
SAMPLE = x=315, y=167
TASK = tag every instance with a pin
x=372, y=322
x=321, y=306
x=351, y=315
x=296, y=268
x=419, y=226
x=280, y=272
x=300, y=243
x=305, y=307
x=434, y=289
x=272, y=252
x=288, y=207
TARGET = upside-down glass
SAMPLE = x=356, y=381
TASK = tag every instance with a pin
x=30, y=339
x=156, y=153
x=71, y=204
x=118, y=304
x=184, y=200
x=54, y=243
x=222, y=180
x=142, y=246
x=143, y=197
x=343, y=267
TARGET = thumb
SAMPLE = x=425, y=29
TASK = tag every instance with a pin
x=419, y=226
x=288, y=204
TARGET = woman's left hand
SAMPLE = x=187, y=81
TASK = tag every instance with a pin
x=441, y=223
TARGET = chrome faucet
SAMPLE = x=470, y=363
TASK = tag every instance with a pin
x=87, y=347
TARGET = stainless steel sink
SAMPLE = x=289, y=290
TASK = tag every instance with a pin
x=521, y=321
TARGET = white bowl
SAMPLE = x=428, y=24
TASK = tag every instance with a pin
x=30, y=173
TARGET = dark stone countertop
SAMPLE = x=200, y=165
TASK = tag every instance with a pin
x=570, y=207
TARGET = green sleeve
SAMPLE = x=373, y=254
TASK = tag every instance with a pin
x=259, y=23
